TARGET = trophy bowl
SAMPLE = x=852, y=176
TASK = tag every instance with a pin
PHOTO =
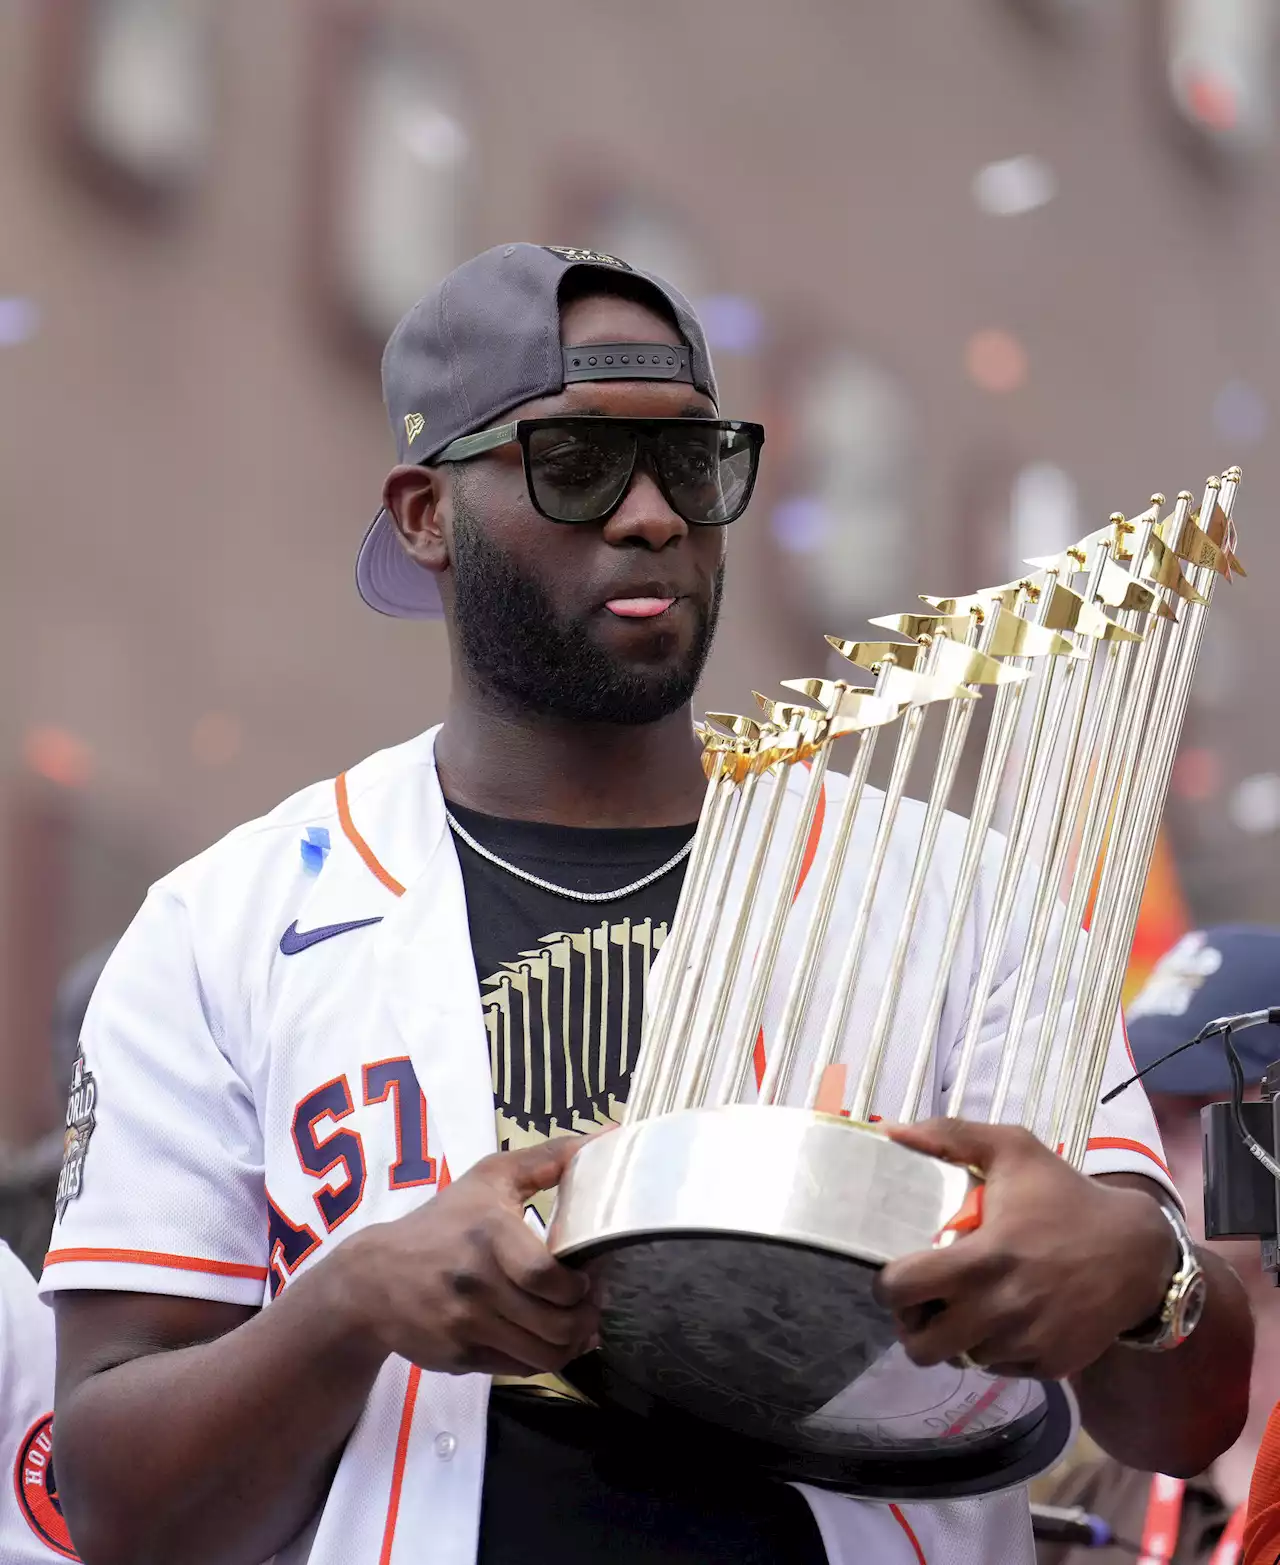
x=744, y=1303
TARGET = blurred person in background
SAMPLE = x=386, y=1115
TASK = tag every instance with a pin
x=32, y=1526
x=296, y=1108
x=29, y=1176
x=1214, y=972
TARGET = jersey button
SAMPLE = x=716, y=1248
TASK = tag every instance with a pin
x=446, y=1445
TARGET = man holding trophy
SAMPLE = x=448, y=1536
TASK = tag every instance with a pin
x=863, y=1249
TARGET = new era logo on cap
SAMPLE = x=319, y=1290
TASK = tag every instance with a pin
x=414, y=424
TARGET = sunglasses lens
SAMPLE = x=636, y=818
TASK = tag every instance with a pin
x=707, y=473
x=579, y=473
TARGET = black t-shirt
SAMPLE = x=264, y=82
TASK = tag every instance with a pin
x=562, y=982
x=562, y=986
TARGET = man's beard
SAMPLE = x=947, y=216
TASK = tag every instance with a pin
x=520, y=650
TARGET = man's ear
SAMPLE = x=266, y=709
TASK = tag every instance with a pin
x=415, y=498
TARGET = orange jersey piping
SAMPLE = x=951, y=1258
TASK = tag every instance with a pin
x=397, y=1470
x=177, y=1263
x=910, y=1532
x=357, y=841
x=1124, y=1144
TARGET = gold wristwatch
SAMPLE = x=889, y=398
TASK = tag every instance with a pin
x=1184, y=1303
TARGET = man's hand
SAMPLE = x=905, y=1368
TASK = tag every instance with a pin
x=457, y=1284
x=1059, y=1267
x=461, y=1284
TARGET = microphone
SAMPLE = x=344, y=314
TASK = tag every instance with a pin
x=1224, y=1026
x=1060, y=1524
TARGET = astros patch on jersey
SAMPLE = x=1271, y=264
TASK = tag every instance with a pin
x=33, y=1530
x=36, y=1487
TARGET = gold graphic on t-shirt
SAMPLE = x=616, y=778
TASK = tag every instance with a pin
x=563, y=1027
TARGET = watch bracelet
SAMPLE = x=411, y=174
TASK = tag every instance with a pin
x=1149, y=1335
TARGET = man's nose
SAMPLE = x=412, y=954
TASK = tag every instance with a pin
x=645, y=518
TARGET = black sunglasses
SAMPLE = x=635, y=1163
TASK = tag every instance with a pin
x=579, y=468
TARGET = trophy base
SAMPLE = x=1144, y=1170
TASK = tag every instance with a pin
x=734, y=1252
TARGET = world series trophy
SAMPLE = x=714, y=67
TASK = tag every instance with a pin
x=733, y=1238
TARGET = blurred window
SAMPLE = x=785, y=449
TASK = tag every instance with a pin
x=144, y=91
x=402, y=154
x=651, y=236
x=1056, y=13
x=654, y=237
x=1044, y=513
x=844, y=519
x=1220, y=63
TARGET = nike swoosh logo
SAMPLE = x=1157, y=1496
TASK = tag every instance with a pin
x=294, y=939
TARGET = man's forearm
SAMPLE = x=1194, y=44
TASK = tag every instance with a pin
x=1176, y=1412
x=220, y=1452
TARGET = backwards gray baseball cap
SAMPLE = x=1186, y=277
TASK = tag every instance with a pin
x=484, y=341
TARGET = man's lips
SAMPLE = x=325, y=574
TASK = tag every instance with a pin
x=638, y=608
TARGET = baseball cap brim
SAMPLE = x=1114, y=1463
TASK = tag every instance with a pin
x=391, y=582
x=1201, y=1072
x=1220, y=971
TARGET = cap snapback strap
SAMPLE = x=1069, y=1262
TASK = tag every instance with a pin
x=627, y=361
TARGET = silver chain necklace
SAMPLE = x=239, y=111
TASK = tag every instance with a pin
x=460, y=831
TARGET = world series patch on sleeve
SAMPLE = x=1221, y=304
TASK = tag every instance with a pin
x=81, y=1103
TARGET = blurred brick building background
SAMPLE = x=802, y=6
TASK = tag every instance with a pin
x=987, y=270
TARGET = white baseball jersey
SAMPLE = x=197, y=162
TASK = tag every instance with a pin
x=31, y=1526
x=288, y=1043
